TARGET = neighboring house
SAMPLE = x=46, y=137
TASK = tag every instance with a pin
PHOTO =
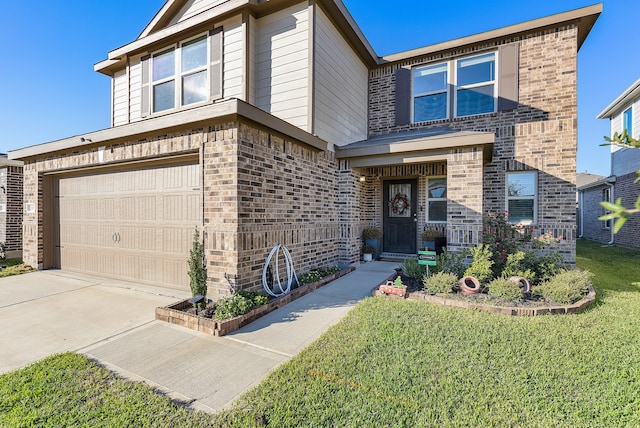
x=583, y=180
x=624, y=114
x=268, y=122
x=11, y=206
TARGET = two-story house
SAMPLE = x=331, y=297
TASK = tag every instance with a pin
x=623, y=114
x=274, y=122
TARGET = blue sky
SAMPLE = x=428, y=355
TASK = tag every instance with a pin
x=50, y=91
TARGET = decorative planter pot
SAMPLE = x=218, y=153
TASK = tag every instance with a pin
x=389, y=288
x=367, y=257
x=375, y=243
x=523, y=282
x=469, y=285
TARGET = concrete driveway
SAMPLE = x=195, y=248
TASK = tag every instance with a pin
x=48, y=312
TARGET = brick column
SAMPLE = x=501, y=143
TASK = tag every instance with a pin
x=464, y=189
x=349, y=240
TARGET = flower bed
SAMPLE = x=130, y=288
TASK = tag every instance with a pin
x=179, y=313
x=474, y=302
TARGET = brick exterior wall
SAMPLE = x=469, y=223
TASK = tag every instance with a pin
x=625, y=188
x=540, y=134
x=592, y=228
x=11, y=216
x=260, y=190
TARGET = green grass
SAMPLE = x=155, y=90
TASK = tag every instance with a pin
x=14, y=267
x=393, y=362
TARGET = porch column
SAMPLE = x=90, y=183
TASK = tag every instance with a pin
x=349, y=240
x=464, y=190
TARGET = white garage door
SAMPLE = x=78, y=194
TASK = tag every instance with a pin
x=136, y=225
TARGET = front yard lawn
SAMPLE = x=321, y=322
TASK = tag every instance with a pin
x=393, y=362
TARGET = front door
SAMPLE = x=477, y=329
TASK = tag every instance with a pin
x=400, y=217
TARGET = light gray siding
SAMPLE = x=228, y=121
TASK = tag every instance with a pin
x=194, y=7
x=341, y=82
x=135, y=89
x=233, y=67
x=625, y=161
x=251, y=96
x=120, y=98
x=282, y=64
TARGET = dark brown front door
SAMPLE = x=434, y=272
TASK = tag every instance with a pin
x=400, y=216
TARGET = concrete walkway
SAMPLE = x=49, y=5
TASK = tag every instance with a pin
x=115, y=326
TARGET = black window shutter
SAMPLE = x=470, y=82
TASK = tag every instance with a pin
x=215, y=71
x=145, y=92
x=508, y=79
x=403, y=96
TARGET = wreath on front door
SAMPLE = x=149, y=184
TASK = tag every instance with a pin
x=399, y=204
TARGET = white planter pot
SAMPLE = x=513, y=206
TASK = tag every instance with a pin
x=366, y=257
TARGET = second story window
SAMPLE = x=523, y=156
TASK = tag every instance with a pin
x=430, y=88
x=627, y=119
x=179, y=75
x=476, y=85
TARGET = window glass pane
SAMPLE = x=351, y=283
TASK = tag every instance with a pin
x=437, y=210
x=194, y=54
x=520, y=210
x=437, y=188
x=475, y=101
x=430, y=107
x=628, y=121
x=400, y=200
x=163, y=65
x=476, y=69
x=430, y=79
x=521, y=184
x=164, y=96
x=194, y=88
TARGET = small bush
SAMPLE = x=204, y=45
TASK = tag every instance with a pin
x=372, y=233
x=412, y=269
x=503, y=288
x=566, y=287
x=548, y=266
x=520, y=264
x=451, y=262
x=238, y=304
x=368, y=249
x=309, y=277
x=481, y=264
x=328, y=270
x=441, y=282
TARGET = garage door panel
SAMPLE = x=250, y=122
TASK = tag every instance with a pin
x=135, y=225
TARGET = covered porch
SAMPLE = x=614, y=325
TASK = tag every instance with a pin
x=409, y=182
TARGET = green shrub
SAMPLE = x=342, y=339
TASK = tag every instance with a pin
x=451, y=262
x=481, y=264
x=503, y=238
x=505, y=289
x=548, y=266
x=412, y=269
x=238, y=304
x=566, y=287
x=372, y=233
x=441, y=282
x=309, y=277
x=198, y=269
x=520, y=264
x=328, y=270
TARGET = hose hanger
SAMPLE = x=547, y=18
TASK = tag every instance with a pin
x=271, y=275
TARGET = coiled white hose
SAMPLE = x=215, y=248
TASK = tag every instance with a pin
x=291, y=273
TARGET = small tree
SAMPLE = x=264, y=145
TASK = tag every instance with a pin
x=618, y=212
x=198, y=268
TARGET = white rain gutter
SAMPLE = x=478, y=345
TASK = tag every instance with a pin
x=610, y=181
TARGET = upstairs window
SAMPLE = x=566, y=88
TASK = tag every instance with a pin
x=189, y=61
x=476, y=85
x=522, y=197
x=430, y=88
x=437, y=200
x=627, y=121
x=185, y=74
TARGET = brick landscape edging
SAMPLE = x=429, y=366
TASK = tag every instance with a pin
x=175, y=313
x=574, y=308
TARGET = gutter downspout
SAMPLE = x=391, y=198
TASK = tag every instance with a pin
x=581, y=208
x=610, y=181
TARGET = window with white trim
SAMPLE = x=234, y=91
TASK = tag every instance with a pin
x=522, y=196
x=476, y=85
x=606, y=197
x=437, y=200
x=627, y=121
x=179, y=75
x=430, y=89
x=473, y=88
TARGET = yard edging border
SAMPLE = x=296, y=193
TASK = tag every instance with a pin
x=174, y=313
x=574, y=308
